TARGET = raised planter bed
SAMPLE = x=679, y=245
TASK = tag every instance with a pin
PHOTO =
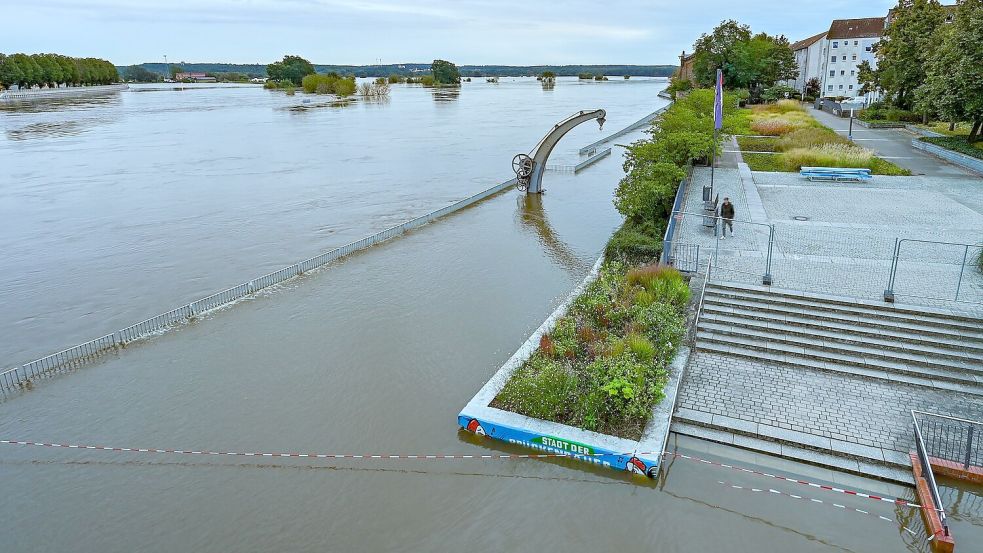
x=642, y=456
x=956, y=158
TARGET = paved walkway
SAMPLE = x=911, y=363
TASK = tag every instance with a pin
x=863, y=414
x=892, y=144
x=839, y=238
x=834, y=238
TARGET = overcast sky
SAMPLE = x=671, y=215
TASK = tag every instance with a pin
x=508, y=32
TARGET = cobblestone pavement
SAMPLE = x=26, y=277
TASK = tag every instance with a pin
x=842, y=407
x=839, y=238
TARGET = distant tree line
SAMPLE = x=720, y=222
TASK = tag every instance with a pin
x=419, y=69
x=54, y=69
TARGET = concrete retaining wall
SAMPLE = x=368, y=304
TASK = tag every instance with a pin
x=880, y=124
x=962, y=160
x=643, y=456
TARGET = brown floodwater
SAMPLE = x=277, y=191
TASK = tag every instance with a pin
x=377, y=354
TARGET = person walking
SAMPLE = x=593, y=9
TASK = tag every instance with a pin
x=726, y=218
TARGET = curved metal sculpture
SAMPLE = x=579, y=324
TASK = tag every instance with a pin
x=529, y=167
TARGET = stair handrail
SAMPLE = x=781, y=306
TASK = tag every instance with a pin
x=699, y=307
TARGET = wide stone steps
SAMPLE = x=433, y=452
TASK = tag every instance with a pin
x=916, y=341
x=858, y=459
x=888, y=320
x=851, y=304
x=923, y=347
x=842, y=347
x=926, y=378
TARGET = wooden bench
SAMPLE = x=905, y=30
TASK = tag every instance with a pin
x=836, y=173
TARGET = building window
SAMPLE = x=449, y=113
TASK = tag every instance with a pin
x=852, y=72
x=836, y=44
x=850, y=87
x=833, y=59
x=832, y=73
x=854, y=57
x=842, y=72
x=855, y=43
x=867, y=48
x=841, y=87
x=830, y=87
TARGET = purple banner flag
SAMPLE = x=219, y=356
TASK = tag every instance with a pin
x=718, y=102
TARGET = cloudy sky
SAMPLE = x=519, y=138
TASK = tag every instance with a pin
x=509, y=32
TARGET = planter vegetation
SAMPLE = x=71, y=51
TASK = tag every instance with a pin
x=786, y=138
x=956, y=144
x=605, y=363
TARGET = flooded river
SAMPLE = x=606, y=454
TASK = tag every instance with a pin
x=375, y=354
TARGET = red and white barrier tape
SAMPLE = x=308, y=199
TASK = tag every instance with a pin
x=895, y=501
x=479, y=457
x=313, y=455
x=820, y=501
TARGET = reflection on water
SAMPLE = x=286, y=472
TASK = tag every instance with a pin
x=533, y=217
x=446, y=94
x=108, y=193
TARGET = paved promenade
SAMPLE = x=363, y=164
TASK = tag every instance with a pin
x=833, y=238
x=892, y=144
x=839, y=238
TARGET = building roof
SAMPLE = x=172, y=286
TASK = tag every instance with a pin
x=805, y=43
x=868, y=27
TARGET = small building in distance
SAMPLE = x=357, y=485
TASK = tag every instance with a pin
x=851, y=41
x=809, y=55
x=686, y=67
x=194, y=77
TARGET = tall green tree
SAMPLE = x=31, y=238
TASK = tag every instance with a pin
x=445, y=72
x=907, y=45
x=719, y=49
x=746, y=60
x=291, y=68
x=953, y=86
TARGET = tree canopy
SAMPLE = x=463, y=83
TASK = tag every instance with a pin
x=292, y=69
x=953, y=83
x=445, y=72
x=140, y=74
x=903, y=52
x=746, y=60
x=54, y=69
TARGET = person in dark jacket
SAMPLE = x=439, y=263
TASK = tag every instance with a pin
x=726, y=218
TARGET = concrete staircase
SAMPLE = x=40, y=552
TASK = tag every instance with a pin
x=918, y=346
x=913, y=345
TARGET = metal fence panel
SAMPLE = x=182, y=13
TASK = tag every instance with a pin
x=17, y=377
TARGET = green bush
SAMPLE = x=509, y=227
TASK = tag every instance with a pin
x=603, y=367
x=636, y=242
x=956, y=144
x=329, y=83
x=542, y=388
x=808, y=138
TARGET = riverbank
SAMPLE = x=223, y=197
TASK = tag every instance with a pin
x=65, y=92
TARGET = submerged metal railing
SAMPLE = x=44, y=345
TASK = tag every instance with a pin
x=889, y=292
x=17, y=377
x=951, y=439
x=923, y=459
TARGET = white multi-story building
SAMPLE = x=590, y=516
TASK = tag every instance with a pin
x=832, y=57
x=809, y=55
x=849, y=42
